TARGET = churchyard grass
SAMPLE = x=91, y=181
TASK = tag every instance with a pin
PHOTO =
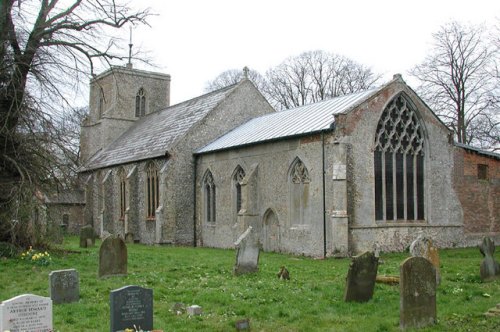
x=311, y=301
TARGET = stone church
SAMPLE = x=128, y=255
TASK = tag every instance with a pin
x=357, y=172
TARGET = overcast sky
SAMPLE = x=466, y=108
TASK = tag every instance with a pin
x=195, y=40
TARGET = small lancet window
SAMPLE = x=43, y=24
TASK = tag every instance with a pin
x=399, y=163
x=152, y=185
x=239, y=175
x=101, y=103
x=123, y=195
x=140, y=103
x=210, y=197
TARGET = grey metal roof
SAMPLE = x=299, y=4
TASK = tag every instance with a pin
x=154, y=134
x=478, y=150
x=293, y=122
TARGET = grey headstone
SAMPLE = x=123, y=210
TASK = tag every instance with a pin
x=129, y=306
x=242, y=325
x=194, y=310
x=489, y=269
x=86, y=233
x=64, y=286
x=112, y=257
x=247, y=254
x=417, y=293
x=26, y=313
x=129, y=237
x=360, y=280
x=423, y=247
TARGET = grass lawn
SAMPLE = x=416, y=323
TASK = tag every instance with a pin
x=311, y=301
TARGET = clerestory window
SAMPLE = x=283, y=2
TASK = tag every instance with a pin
x=399, y=163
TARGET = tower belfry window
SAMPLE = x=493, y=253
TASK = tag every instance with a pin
x=140, y=103
x=399, y=163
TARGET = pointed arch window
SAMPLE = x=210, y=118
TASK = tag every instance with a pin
x=123, y=193
x=299, y=180
x=152, y=184
x=210, y=197
x=239, y=175
x=140, y=103
x=399, y=163
x=101, y=103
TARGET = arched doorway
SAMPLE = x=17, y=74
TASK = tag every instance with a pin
x=270, y=232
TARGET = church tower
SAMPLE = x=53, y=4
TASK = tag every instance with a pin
x=119, y=97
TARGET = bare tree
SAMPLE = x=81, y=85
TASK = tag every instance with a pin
x=46, y=47
x=457, y=80
x=314, y=76
x=233, y=76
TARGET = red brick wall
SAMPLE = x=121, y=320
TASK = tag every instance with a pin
x=480, y=199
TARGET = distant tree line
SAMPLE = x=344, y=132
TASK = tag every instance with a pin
x=459, y=80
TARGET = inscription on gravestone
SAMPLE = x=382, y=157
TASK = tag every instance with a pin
x=64, y=286
x=26, y=313
x=129, y=306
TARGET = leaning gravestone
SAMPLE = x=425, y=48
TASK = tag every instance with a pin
x=489, y=269
x=64, y=286
x=112, y=257
x=131, y=307
x=422, y=247
x=26, y=313
x=360, y=280
x=87, y=236
x=247, y=254
x=417, y=293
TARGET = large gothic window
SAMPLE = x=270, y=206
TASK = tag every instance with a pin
x=238, y=177
x=399, y=163
x=299, y=193
x=140, y=103
x=123, y=193
x=210, y=196
x=152, y=184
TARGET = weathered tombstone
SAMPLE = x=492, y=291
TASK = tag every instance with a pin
x=242, y=325
x=129, y=237
x=64, y=286
x=422, y=247
x=417, y=293
x=489, y=269
x=87, y=233
x=360, y=280
x=247, y=254
x=26, y=313
x=112, y=257
x=194, y=310
x=131, y=306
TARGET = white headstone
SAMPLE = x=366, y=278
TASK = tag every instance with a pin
x=27, y=313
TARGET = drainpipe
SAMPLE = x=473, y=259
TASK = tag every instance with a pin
x=324, y=191
x=194, y=199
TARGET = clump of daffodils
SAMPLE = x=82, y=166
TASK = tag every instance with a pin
x=38, y=258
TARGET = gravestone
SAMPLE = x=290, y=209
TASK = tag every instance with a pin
x=112, y=257
x=87, y=235
x=247, y=254
x=242, y=325
x=360, y=280
x=129, y=237
x=64, y=286
x=26, y=313
x=417, y=293
x=422, y=247
x=129, y=306
x=489, y=269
